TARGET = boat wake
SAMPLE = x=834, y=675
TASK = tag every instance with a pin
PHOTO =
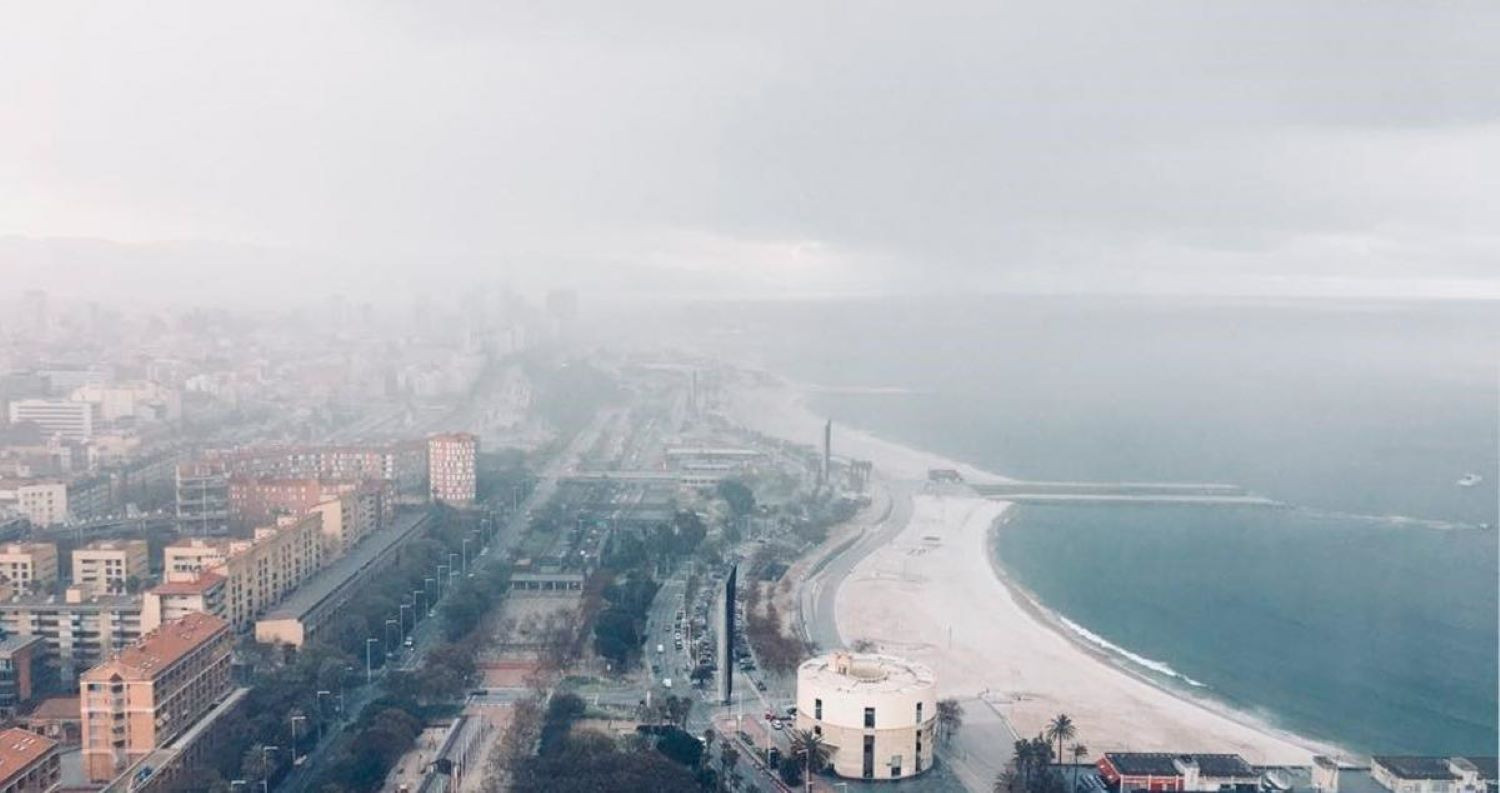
x=1111, y=648
x=1391, y=520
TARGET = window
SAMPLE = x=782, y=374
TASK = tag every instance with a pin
x=869, y=717
x=919, y=714
x=818, y=709
x=869, y=764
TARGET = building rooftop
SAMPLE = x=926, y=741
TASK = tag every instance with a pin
x=203, y=583
x=159, y=649
x=1144, y=763
x=332, y=578
x=20, y=748
x=1223, y=765
x=90, y=603
x=1413, y=767
x=1484, y=765
x=16, y=641
x=864, y=673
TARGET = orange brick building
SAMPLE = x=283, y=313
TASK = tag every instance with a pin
x=152, y=691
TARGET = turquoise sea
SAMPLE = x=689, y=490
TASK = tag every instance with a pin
x=1366, y=614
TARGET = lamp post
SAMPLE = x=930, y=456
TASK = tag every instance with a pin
x=465, y=546
x=295, y=719
x=452, y=565
x=442, y=577
x=417, y=614
x=369, y=665
x=404, y=607
x=427, y=588
x=321, y=717
x=265, y=767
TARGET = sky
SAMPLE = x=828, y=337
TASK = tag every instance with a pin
x=375, y=147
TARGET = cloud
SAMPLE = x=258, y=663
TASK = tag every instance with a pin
x=781, y=146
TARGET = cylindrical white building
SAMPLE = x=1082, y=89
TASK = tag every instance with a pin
x=877, y=713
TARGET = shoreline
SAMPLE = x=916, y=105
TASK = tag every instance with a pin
x=1054, y=620
x=873, y=590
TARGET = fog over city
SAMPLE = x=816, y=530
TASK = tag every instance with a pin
x=480, y=396
x=369, y=149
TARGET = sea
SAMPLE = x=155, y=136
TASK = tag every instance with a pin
x=1364, y=613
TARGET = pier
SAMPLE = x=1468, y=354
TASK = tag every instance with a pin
x=1192, y=493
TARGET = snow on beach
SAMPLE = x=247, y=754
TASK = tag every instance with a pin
x=936, y=595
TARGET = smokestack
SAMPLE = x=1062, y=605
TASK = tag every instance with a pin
x=827, y=451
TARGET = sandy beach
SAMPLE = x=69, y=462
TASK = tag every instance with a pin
x=933, y=593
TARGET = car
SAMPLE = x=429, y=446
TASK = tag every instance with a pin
x=410, y=642
x=791, y=710
x=777, y=724
x=760, y=685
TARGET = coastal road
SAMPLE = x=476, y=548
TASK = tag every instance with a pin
x=820, y=591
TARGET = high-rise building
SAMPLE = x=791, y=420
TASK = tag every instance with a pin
x=28, y=567
x=152, y=691
x=72, y=420
x=29, y=763
x=725, y=630
x=451, y=461
x=109, y=565
x=202, y=498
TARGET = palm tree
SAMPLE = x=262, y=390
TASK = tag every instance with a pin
x=814, y=753
x=1061, y=729
x=1079, y=752
x=1005, y=782
x=950, y=716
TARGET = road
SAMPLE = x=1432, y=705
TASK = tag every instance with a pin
x=819, y=592
x=426, y=630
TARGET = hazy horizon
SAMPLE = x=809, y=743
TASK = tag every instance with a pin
x=1337, y=149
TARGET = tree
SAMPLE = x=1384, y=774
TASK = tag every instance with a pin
x=809, y=747
x=680, y=747
x=950, y=717
x=1079, y=753
x=1060, y=729
x=738, y=496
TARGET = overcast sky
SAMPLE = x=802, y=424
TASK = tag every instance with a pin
x=1268, y=146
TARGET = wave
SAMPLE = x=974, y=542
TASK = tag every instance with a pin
x=1159, y=667
x=1390, y=520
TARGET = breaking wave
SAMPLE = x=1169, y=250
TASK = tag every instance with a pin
x=1106, y=645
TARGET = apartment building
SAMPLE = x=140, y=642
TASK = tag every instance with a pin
x=185, y=559
x=29, y=763
x=260, y=500
x=402, y=465
x=80, y=630
x=350, y=514
x=152, y=691
x=177, y=599
x=258, y=572
x=72, y=420
x=203, y=498
x=109, y=566
x=28, y=567
x=43, y=502
x=22, y=670
x=451, y=460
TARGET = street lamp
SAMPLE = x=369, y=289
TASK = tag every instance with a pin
x=404, y=607
x=369, y=665
x=295, y=719
x=265, y=767
x=415, y=614
x=452, y=566
x=465, y=546
x=427, y=587
x=442, y=577
x=321, y=717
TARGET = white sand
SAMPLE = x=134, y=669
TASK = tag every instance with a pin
x=934, y=595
